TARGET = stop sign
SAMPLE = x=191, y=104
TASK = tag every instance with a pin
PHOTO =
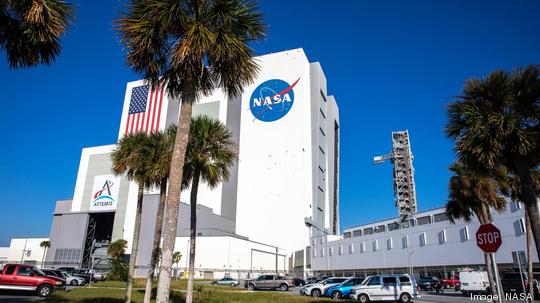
x=488, y=238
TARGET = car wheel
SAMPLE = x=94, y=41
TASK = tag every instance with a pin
x=283, y=287
x=336, y=295
x=251, y=287
x=74, y=283
x=232, y=284
x=405, y=298
x=447, y=286
x=316, y=293
x=363, y=298
x=44, y=290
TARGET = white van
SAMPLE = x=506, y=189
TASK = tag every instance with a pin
x=386, y=288
x=474, y=282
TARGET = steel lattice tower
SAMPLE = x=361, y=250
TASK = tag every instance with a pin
x=404, y=187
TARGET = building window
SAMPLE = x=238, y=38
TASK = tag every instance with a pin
x=440, y=217
x=323, y=96
x=423, y=220
x=321, y=169
x=521, y=226
x=442, y=236
x=351, y=248
x=321, y=241
x=347, y=235
x=331, y=250
x=313, y=241
x=464, y=234
x=376, y=245
x=322, y=114
x=322, y=151
x=368, y=231
x=380, y=228
x=423, y=240
x=340, y=250
x=393, y=226
x=363, y=247
x=357, y=233
x=322, y=131
x=314, y=253
x=389, y=244
x=322, y=252
x=405, y=242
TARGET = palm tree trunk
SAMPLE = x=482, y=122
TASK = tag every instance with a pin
x=529, y=255
x=192, y=236
x=529, y=199
x=157, y=240
x=484, y=219
x=43, y=259
x=134, y=244
x=175, y=189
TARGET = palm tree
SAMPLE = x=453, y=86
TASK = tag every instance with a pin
x=131, y=157
x=193, y=47
x=210, y=154
x=515, y=194
x=45, y=244
x=496, y=122
x=30, y=30
x=176, y=259
x=117, y=248
x=160, y=153
x=473, y=193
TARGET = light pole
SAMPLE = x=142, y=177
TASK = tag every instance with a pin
x=309, y=223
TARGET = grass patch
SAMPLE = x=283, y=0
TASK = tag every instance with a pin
x=203, y=295
x=180, y=284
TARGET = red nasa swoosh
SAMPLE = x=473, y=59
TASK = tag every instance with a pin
x=288, y=89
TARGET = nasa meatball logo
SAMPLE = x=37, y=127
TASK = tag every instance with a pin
x=272, y=100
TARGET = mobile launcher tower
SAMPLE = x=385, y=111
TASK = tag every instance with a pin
x=404, y=187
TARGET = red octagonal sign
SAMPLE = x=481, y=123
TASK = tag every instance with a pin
x=488, y=238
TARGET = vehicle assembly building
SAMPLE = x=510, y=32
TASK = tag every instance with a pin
x=286, y=126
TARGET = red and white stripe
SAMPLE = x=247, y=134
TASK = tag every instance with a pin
x=148, y=120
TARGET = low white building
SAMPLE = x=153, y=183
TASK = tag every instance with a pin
x=24, y=250
x=431, y=245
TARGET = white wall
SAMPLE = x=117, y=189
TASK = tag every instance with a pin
x=456, y=251
x=34, y=253
x=275, y=163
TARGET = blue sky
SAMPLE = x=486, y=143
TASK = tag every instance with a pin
x=392, y=65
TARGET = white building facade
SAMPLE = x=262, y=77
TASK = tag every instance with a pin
x=431, y=245
x=286, y=127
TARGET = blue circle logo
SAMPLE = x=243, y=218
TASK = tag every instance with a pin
x=272, y=100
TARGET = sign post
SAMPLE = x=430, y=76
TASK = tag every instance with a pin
x=488, y=238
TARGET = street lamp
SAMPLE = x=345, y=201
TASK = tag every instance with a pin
x=310, y=223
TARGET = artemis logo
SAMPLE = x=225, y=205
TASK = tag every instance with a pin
x=272, y=100
x=103, y=197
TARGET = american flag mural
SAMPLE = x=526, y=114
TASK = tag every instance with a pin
x=144, y=109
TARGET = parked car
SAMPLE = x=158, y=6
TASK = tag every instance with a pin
x=343, y=289
x=74, y=280
x=299, y=281
x=29, y=278
x=474, y=282
x=311, y=280
x=512, y=283
x=77, y=272
x=386, y=288
x=452, y=282
x=425, y=283
x=269, y=282
x=226, y=281
x=317, y=289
